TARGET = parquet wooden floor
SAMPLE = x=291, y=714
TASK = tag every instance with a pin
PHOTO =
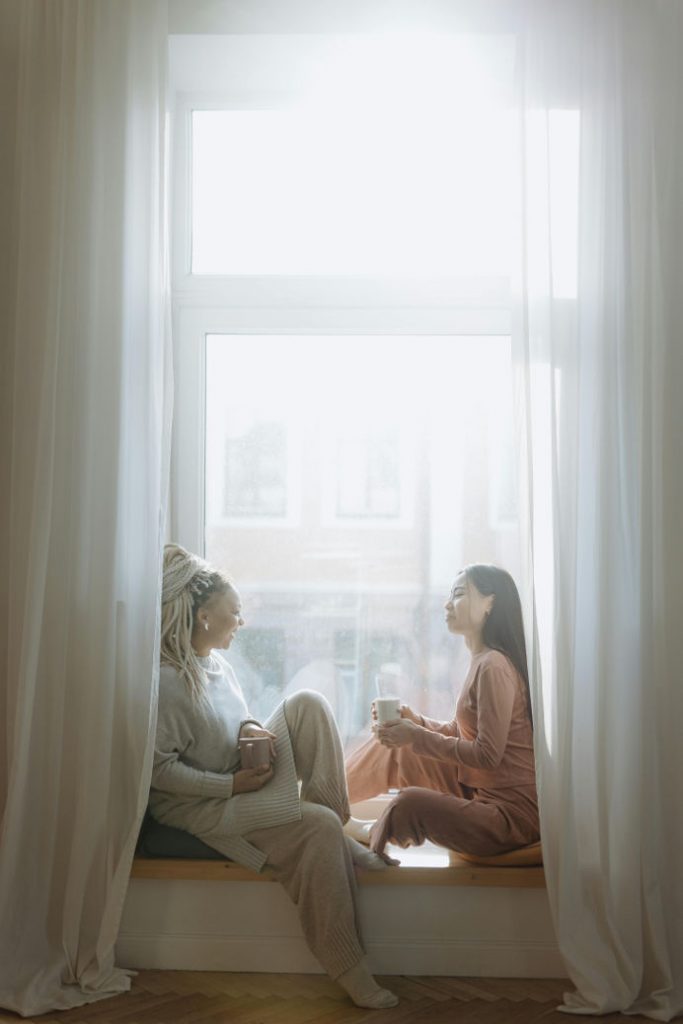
x=201, y=997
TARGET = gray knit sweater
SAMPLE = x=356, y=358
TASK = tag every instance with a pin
x=196, y=755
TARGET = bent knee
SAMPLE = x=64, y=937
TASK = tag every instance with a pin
x=411, y=796
x=307, y=701
x=321, y=818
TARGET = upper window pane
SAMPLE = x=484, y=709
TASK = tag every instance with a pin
x=394, y=157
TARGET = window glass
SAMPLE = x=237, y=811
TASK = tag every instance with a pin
x=368, y=474
x=351, y=496
x=349, y=477
x=376, y=154
x=255, y=475
x=294, y=192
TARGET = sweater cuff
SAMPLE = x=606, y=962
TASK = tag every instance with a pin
x=248, y=721
x=214, y=784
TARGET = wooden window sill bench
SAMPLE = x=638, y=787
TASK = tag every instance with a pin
x=455, y=872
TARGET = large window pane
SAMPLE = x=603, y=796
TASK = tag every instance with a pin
x=383, y=154
x=347, y=481
x=292, y=192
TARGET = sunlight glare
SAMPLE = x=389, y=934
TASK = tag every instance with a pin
x=397, y=160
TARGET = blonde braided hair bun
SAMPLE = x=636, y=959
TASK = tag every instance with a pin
x=188, y=583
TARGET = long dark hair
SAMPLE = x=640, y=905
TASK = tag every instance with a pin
x=504, y=627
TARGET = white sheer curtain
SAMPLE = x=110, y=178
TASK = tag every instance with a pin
x=600, y=360
x=84, y=423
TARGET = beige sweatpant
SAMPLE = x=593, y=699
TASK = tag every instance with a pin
x=310, y=857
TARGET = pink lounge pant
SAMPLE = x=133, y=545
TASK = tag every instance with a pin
x=432, y=804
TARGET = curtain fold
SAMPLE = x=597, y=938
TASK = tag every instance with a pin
x=85, y=426
x=84, y=420
x=599, y=360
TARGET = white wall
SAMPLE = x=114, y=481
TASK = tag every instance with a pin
x=252, y=926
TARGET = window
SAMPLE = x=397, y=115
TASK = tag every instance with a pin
x=265, y=651
x=343, y=238
x=418, y=467
x=392, y=189
x=358, y=154
x=368, y=478
x=255, y=480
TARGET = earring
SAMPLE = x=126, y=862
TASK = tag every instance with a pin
x=206, y=625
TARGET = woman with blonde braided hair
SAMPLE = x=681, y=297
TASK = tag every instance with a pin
x=256, y=816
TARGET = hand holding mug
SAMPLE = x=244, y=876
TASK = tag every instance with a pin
x=247, y=780
x=397, y=733
x=411, y=715
x=251, y=731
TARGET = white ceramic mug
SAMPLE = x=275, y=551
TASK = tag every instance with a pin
x=388, y=709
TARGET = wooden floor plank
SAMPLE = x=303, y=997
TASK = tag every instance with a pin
x=192, y=1005
x=414, y=989
x=210, y=997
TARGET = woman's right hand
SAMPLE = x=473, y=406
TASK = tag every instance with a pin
x=248, y=780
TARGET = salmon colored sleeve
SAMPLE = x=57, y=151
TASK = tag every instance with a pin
x=444, y=728
x=495, y=694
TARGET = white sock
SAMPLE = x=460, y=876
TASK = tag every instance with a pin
x=364, y=858
x=359, y=830
x=360, y=985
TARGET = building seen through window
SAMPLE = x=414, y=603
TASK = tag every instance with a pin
x=368, y=475
x=255, y=481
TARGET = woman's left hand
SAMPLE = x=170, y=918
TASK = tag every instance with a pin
x=396, y=734
x=250, y=731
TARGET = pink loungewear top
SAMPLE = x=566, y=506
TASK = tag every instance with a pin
x=490, y=738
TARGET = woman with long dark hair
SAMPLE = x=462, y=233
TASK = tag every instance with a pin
x=468, y=784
